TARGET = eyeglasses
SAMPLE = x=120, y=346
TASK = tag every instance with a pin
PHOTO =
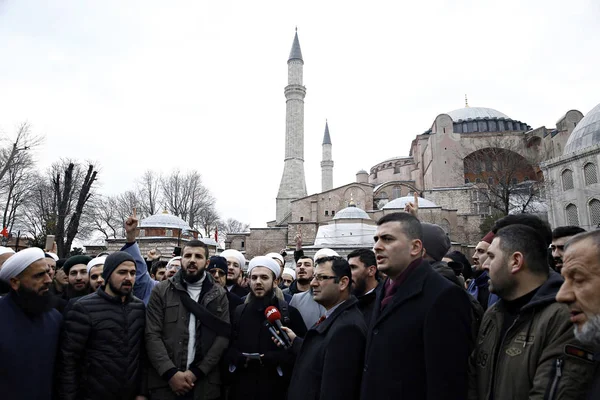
x=217, y=272
x=321, y=278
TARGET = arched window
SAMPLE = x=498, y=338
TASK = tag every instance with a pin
x=594, y=206
x=572, y=215
x=589, y=170
x=567, y=179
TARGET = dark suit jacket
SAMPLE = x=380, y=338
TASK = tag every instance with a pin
x=418, y=346
x=330, y=358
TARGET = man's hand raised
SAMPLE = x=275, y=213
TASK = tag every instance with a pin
x=131, y=225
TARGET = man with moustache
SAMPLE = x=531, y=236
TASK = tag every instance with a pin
x=560, y=236
x=217, y=267
x=250, y=336
x=95, y=268
x=158, y=270
x=581, y=270
x=187, y=330
x=30, y=328
x=78, y=282
x=479, y=286
x=102, y=342
x=304, y=274
x=173, y=266
x=235, y=263
x=364, y=280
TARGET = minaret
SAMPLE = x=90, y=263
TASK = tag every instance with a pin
x=327, y=162
x=293, y=184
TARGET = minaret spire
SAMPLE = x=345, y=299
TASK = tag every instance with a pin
x=293, y=183
x=327, y=162
x=466, y=102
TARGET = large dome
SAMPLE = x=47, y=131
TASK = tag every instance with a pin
x=351, y=212
x=465, y=113
x=164, y=220
x=400, y=202
x=586, y=133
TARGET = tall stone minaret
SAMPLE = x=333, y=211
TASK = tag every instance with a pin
x=327, y=162
x=293, y=183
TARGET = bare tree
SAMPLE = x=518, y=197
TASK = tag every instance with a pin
x=231, y=225
x=208, y=220
x=23, y=143
x=185, y=196
x=105, y=218
x=17, y=185
x=149, y=193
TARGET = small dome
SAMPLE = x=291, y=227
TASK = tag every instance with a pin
x=362, y=171
x=400, y=202
x=164, y=220
x=586, y=133
x=351, y=212
x=466, y=113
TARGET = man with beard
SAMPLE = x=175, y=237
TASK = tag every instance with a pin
x=581, y=270
x=95, y=268
x=304, y=300
x=78, y=281
x=173, y=266
x=304, y=274
x=102, y=341
x=522, y=350
x=187, y=330
x=30, y=328
x=217, y=267
x=479, y=286
x=560, y=236
x=265, y=375
x=235, y=263
x=364, y=280
x=158, y=270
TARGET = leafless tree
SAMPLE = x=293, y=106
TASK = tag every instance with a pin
x=148, y=190
x=231, y=225
x=185, y=196
x=208, y=220
x=21, y=144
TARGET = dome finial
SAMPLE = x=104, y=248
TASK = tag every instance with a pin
x=466, y=102
x=351, y=203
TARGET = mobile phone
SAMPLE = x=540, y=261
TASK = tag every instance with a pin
x=177, y=251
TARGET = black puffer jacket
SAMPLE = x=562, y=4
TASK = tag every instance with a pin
x=101, y=349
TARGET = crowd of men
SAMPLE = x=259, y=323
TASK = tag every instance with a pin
x=409, y=319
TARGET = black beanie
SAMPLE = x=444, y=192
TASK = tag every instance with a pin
x=435, y=241
x=217, y=262
x=113, y=261
x=75, y=260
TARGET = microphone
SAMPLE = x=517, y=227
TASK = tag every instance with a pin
x=273, y=332
x=274, y=317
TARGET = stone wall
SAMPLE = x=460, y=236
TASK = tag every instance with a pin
x=265, y=240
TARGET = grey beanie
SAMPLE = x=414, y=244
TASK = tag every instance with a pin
x=113, y=261
x=435, y=241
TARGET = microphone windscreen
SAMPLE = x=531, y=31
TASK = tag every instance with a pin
x=272, y=314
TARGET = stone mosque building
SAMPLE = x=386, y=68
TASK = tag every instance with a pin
x=447, y=166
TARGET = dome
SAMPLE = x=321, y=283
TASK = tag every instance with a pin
x=362, y=171
x=400, y=202
x=466, y=113
x=586, y=133
x=351, y=212
x=164, y=220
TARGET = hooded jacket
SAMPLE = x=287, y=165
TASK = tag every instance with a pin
x=539, y=356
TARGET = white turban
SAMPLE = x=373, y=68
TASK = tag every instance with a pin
x=290, y=272
x=171, y=261
x=95, y=262
x=5, y=250
x=325, y=253
x=276, y=256
x=54, y=256
x=236, y=254
x=264, y=261
x=19, y=262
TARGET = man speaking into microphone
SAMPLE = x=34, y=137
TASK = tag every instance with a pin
x=258, y=368
x=330, y=358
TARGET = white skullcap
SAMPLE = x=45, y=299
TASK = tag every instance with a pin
x=171, y=261
x=95, y=262
x=276, y=256
x=264, y=261
x=20, y=261
x=236, y=254
x=5, y=250
x=325, y=253
x=290, y=272
x=54, y=256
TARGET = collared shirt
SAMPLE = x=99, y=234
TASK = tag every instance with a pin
x=332, y=309
x=393, y=285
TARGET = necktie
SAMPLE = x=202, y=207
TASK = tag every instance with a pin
x=320, y=320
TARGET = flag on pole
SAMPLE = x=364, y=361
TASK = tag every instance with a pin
x=216, y=234
x=4, y=232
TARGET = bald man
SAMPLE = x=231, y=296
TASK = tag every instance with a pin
x=29, y=347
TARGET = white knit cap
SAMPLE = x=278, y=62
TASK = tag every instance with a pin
x=95, y=262
x=4, y=250
x=290, y=272
x=20, y=261
x=234, y=253
x=264, y=261
x=276, y=256
x=171, y=261
x=325, y=253
x=53, y=255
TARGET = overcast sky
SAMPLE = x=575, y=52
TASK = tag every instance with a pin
x=138, y=85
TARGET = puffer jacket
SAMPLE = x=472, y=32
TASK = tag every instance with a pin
x=102, y=348
x=539, y=356
x=167, y=337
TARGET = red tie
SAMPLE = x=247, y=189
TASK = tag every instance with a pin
x=320, y=320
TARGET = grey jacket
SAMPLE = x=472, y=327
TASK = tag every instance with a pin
x=311, y=310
